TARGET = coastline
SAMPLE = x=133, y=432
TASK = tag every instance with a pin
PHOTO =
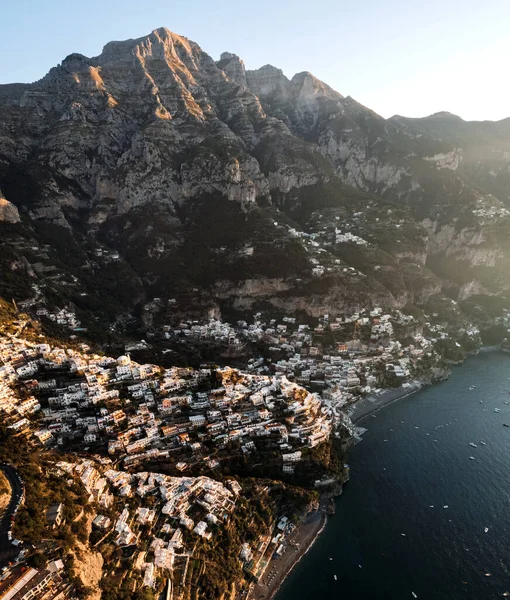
x=305, y=535
x=360, y=410
x=357, y=412
x=371, y=404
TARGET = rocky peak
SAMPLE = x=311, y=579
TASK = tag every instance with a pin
x=233, y=67
x=162, y=47
x=444, y=114
x=268, y=81
x=307, y=83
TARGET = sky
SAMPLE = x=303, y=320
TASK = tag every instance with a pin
x=405, y=57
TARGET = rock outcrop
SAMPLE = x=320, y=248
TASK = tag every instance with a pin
x=8, y=212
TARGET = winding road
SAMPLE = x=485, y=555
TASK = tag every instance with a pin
x=6, y=547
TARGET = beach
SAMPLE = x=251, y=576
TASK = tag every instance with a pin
x=302, y=539
x=297, y=545
x=419, y=515
x=371, y=404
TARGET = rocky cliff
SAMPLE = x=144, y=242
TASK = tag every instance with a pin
x=152, y=170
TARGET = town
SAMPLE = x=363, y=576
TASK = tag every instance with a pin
x=152, y=444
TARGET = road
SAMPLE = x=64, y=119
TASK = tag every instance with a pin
x=7, y=550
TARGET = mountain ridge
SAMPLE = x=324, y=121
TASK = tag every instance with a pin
x=202, y=175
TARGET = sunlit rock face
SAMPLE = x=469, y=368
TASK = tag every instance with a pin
x=178, y=163
x=8, y=212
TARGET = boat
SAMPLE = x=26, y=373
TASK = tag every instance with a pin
x=473, y=445
x=336, y=578
x=497, y=410
x=471, y=458
x=414, y=595
x=483, y=443
x=486, y=529
x=506, y=425
x=445, y=506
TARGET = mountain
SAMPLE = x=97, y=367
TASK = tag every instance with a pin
x=152, y=171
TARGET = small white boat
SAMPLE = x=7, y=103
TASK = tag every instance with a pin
x=483, y=443
x=497, y=410
x=431, y=506
x=336, y=578
x=486, y=530
x=445, y=506
x=472, y=445
x=403, y=534
x=414, y=595
x=471, y=458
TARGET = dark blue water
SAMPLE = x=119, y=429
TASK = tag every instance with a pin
x=445, y=553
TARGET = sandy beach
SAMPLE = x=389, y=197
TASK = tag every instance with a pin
x=302, y=539
x=371, y=404
x=298, y=544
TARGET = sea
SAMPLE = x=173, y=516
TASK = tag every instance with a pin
x=412, y=521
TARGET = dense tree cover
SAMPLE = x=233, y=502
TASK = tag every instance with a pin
x=254, y=512
x=494, y=335
x=450, y=350
x=42, y=489
x=116, y=587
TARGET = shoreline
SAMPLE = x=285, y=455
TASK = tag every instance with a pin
x=306, y=535
x=371, y=404
x=357, y=412
x=365, y=407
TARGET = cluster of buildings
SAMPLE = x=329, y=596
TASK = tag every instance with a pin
x=308, y=355
x=139, y=412
x=26, y=583
x=65, y=317
x=214, y=330
x=256, y=557
x=169, y=514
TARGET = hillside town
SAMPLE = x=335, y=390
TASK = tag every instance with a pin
x=151, y=444
x=70, y=399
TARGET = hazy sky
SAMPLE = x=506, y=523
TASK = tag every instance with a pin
x=408, y=57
